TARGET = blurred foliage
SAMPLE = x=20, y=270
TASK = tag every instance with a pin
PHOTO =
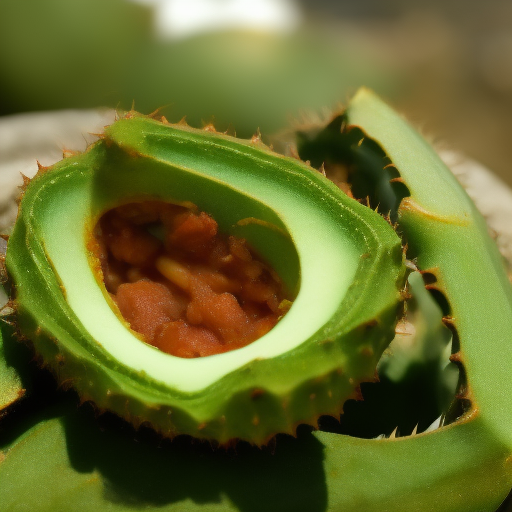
x=88, y=53
x=447, y=65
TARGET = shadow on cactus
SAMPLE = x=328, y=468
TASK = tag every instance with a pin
x=441, y=377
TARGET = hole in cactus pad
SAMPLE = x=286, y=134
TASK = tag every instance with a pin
x=182, y=286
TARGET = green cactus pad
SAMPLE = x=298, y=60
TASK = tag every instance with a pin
x=11, y=387
x=344, y=261
x=76, y=463
x=466, y=465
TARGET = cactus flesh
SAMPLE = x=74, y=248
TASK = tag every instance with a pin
x=346, y=263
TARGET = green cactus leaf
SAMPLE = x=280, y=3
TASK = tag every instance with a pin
x=448, y=239
x=457, y=468
x=308, y=365
x=11, y=386
x=74, y=464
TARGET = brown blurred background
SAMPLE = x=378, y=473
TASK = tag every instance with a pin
x=446, y=64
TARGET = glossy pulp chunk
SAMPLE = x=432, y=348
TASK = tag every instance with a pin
x=184, y=287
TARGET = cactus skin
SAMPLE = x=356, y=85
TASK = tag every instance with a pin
x=465, y=466
x=11, y=387
x=252, y=393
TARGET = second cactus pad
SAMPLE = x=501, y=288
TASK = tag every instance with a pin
x=341, y=260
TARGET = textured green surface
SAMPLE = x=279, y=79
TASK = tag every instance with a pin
x=308, y=365
x=76, y=463
x=71, y=464
x=448, y=236
x=11, y=387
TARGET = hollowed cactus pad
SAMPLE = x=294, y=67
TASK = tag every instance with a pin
x=343, y=259
x=346, y=264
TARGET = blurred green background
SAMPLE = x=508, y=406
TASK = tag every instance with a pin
x=446, y=64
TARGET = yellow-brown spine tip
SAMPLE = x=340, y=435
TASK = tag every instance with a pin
x=209, y=128
x=26, y=179
x=68, y=153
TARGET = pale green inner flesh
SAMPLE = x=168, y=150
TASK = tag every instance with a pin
x=325, y=277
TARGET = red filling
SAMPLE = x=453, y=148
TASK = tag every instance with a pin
x=187, y=289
